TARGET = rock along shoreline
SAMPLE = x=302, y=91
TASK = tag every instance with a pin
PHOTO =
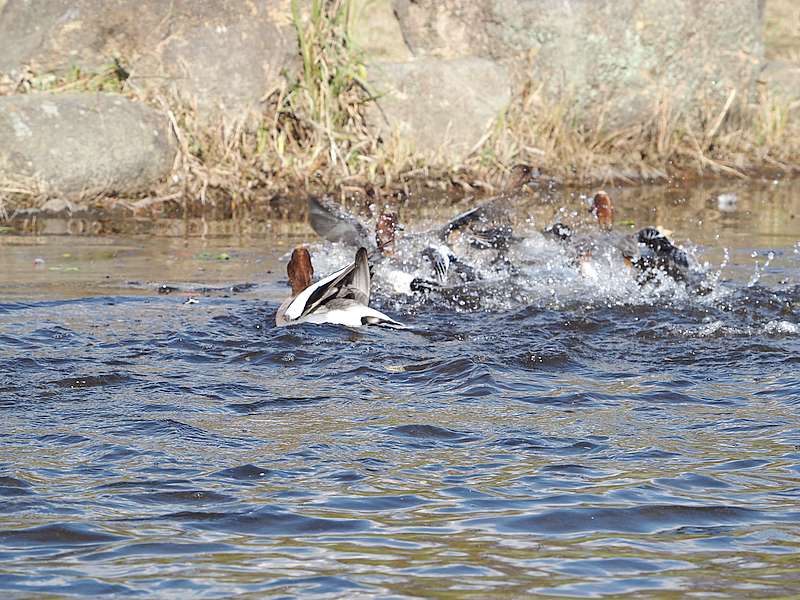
x=235, y=101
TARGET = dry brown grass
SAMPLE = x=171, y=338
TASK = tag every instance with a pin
x=782, y=30
x=311, y=136
x=738, y=138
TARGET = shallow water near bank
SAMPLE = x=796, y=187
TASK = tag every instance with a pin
x=570, y=439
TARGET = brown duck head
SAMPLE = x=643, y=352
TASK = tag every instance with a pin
x=300, y=270
x=385, y=231
x=603, y=210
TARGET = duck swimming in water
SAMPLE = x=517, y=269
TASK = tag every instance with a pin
x=341, y=298
x=482, y=227
x=586, y=243
x=409, y=257
x=445, y=267
x=649, y=251
x=657, y=253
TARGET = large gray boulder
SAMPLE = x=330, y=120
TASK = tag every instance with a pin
x=621, y=58
x=439, y=106
x=223, y=54
x=781, y=79
x=376, y=32
x=443, y=68
x=77, y=144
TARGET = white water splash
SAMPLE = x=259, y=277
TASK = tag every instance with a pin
x=759, y=269
x=717, y=329
x=538, y=271
x=782, y=327
x=715, y=275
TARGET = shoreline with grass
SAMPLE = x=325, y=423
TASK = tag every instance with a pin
x=322, y=128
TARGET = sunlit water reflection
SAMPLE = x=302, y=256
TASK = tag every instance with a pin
x=593, y=444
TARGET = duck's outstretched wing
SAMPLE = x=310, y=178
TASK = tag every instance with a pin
x=493, y=238
x=487, y=223
x=460, y=222
x=317, y=293
x=335, y=224
x=351, y=282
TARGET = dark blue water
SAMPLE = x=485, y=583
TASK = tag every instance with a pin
x=587, y=445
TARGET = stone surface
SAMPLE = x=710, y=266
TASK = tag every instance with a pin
x=84, y=143
x=439, y=105
x=445, y=68
x=622, y=57
x=445, y=28
x=781, y=79
x=225, y=54
x=376, y=31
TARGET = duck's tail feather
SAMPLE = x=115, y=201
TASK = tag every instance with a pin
x=361, y=279
x=387, y=322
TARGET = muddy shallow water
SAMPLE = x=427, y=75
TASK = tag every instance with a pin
x=569, y=439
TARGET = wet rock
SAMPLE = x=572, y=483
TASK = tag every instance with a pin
x=621, y=58
x=439, y=105
x=78, y=144
x=223, y=54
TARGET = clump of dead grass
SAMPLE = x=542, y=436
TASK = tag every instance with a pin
x=738, y=137
x=781, y=26
x=310, y=133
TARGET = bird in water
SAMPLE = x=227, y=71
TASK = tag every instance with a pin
x=341, y=298
x=600, y=239
x=657, y=254
x=416, y=261
x=481, y=227
x=403, y=258
x=649, y=251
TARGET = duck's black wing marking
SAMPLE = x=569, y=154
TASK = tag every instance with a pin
x=317, y=293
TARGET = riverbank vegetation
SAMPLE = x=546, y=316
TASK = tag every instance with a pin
x=310, y=134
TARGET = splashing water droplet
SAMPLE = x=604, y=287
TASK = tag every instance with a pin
x=713, y=278
x=759, y=268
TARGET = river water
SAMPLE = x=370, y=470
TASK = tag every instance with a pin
x=563, y=437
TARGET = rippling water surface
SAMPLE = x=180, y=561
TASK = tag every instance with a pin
x=584, y=442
